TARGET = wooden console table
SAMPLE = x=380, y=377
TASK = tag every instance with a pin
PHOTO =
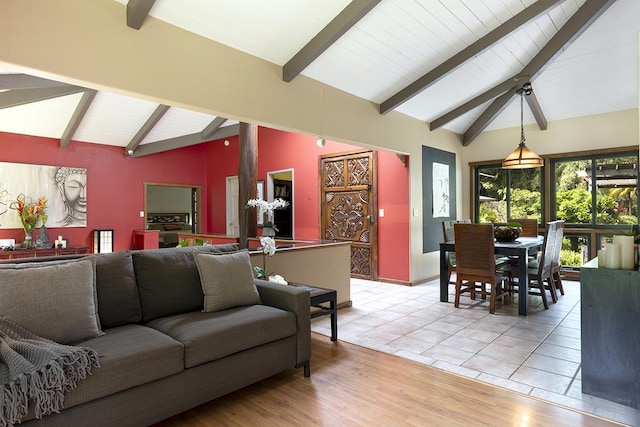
x=39, y=253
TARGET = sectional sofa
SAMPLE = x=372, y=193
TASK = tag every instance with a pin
x=173, y=328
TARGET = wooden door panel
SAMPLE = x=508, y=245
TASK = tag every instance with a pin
x=348, y=213
x=348, y=207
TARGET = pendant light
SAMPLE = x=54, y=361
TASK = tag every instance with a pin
x=522, y=157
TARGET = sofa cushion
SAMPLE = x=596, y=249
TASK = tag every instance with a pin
x=55, y=300
x=211, y=336
x=168, y=280
x=118, y=300
x=130, y=355
x=227, y=280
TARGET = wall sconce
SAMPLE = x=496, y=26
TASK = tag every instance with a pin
x=320, y=142
x=102, y=241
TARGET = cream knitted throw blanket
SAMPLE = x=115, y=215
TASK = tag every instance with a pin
x=37, y=371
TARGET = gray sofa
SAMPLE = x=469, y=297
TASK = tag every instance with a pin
x=160, y=354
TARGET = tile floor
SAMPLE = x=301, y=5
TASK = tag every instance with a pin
x=538, y=354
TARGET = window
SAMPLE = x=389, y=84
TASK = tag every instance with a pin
x=595, y=193
x=502, y=193
x=598, y=192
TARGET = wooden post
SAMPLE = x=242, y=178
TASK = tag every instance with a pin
x=247, y=181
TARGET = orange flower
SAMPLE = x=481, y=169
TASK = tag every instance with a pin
x=30, y=213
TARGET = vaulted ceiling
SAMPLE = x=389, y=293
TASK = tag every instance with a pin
x=455, y=64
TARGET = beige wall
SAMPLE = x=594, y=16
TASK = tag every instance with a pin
x=88, y=43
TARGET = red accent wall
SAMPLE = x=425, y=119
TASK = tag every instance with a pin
x=115, y=191
x=278, y=150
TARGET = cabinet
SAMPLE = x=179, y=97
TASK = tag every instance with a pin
x=39, y=253
x=610, y=315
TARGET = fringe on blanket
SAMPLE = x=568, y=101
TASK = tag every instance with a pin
x=37, y=370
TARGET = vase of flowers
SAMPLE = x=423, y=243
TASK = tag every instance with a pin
x=30, y=214
x=268, y=248
x=265, y=211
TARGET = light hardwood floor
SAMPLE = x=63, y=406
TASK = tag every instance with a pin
x=356, y=386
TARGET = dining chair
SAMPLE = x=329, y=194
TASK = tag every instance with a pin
x=476, y=264
x=555, y=261
x=447, y=234
x=540, y=271
x=529, y=226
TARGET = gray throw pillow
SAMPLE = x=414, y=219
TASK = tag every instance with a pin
x=227, y=280
x=55, y=300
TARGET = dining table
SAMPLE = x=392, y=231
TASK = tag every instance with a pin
x=518, y=250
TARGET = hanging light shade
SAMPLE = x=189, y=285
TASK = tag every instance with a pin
x=522, y=157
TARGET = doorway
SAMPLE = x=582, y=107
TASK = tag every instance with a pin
x=181, y=200
x=232, y=218
x=280, y=186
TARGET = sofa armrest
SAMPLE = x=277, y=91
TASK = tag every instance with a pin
x=297, y=301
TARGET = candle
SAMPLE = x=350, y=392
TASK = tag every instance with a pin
x=626, y=251
x=602, y=258
x=612, y=255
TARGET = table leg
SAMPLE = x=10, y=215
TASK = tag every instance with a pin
x=523, y=282
x=334, y=320
x=444, y=279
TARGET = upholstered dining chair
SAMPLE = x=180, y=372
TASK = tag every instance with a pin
x=447, y=234
x=476, y=264
x=529, y=226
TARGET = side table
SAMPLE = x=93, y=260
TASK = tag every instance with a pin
x=319, y=298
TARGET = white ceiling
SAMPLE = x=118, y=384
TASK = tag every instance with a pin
x=393, y=45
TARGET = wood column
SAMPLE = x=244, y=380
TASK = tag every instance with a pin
x=247, y=181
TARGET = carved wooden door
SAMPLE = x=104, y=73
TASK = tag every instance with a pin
x=348, y=207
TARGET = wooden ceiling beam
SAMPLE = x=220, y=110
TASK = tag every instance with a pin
x=335, y=29
x=474, y=49
x=212, y=127
x=15, y=97
x=572, y=29
x=538, y=114
x=153, y=120
x=78, y=115
x=137, y=12
x=183, y=141
x=475, y=102
x=25, y=81
x=487, y=116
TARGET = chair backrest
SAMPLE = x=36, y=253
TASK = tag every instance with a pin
x=529, y=226
x=447, y=228
x=557, y=247
x=548, y=250
x=475, y=250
